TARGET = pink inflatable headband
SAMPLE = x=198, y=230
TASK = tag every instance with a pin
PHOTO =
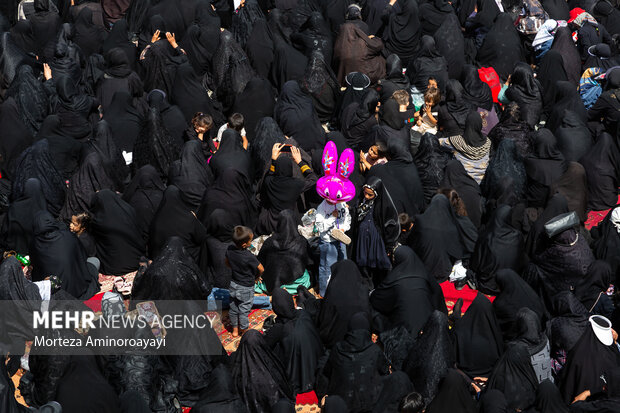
x=335, y=186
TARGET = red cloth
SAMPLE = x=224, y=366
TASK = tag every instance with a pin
x=489, y=76
x=307, y=398
x=451, y=295
x=94, y=303
x=574, y=13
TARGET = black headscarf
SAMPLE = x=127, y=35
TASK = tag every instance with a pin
x=280, y=192
x=45, y=24
x=89, y=179
x=258, y=374
x=549, y=398
x=472, y=134
x=403, y=30
x=243, y=21
x=427, y=63
x=566, y=98
x=220, y=394
x=469, y=191
x=321, y=84
x=550, y=74
x=231, y=69
x=476, y=92
x=174, y=217
x=355, y=367
x=433, y=14
x=505, y=163
x=407, y=296
x=144, y=193
x=295, y=114
x=357, y=119
x=453, y=395
x=36, y=162
x=478, y=339
x=598, y=279
x=202, y=39
x=56, y=251
x=431, y=356
x=544, y=166
x=17, y=228
x=155, y=145
x=233, y=193
x=441, y=237
x=457, y=107
x=529, y=331
x=254, y=103
x=191, y=174
x=113, y=161
x=585, y=363
x=514, y=294
x=125, y=121
x=114, y=226
x=267, y=133
x=173, y=275
x=514, y=376
x=500, y=245
x=563, y=43
x=573, y=136
x=502, y=47
x=231, y=154
x=400, y=176
x=602, y=164
x=119, y=37
x=527, y=92
x=569, y=323
x=190, y=96
x=284, y=254
x=451, y=44
x=345, y=296
x=87, y=35
x=557, y=9
x=431, y=160
x=172, y=117
x=297, y=341
x=16, y=137
x=394, y=78
x=30, y=98
x=72, y=109
x=493, y=401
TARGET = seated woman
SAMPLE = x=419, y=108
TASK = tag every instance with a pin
x=355, y=51
x=285, y=257
x=472, y=148
x=281, y=189
x=296, y=342
x=355, y=367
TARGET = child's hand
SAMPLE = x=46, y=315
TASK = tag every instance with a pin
x=335, y=213
x=259, y=280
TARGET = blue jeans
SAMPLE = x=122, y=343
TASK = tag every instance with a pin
x=241, y=299
x=330, y=252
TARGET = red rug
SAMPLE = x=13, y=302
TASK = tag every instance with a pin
x=451, y=295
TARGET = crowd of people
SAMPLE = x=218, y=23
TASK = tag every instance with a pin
x=350, y=160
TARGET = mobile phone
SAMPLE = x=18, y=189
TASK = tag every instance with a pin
x=286, y=148
x=148, y=310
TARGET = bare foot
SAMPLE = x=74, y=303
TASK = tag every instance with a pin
x=235, y=332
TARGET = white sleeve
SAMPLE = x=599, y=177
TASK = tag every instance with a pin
x=324, y=222
x=345, y=225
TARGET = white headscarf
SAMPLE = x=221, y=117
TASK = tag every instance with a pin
x=615, y=218
x=546, y=32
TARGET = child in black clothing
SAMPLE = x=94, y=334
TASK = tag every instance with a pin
x=246, y=271
x=79, y=226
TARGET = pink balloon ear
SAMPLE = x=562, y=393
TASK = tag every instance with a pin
x=346, y=164
x=330, y=157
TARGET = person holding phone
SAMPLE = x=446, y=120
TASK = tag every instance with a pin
x=282, y=186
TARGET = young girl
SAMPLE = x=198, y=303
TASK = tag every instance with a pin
x=378, y=230
x=375, y=156
x=426, y=118
x=79, y=226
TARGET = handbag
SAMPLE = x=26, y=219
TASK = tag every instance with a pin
x=561, y=223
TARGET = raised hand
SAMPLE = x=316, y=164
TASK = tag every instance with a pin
x=155, y=36
x=171, y=39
